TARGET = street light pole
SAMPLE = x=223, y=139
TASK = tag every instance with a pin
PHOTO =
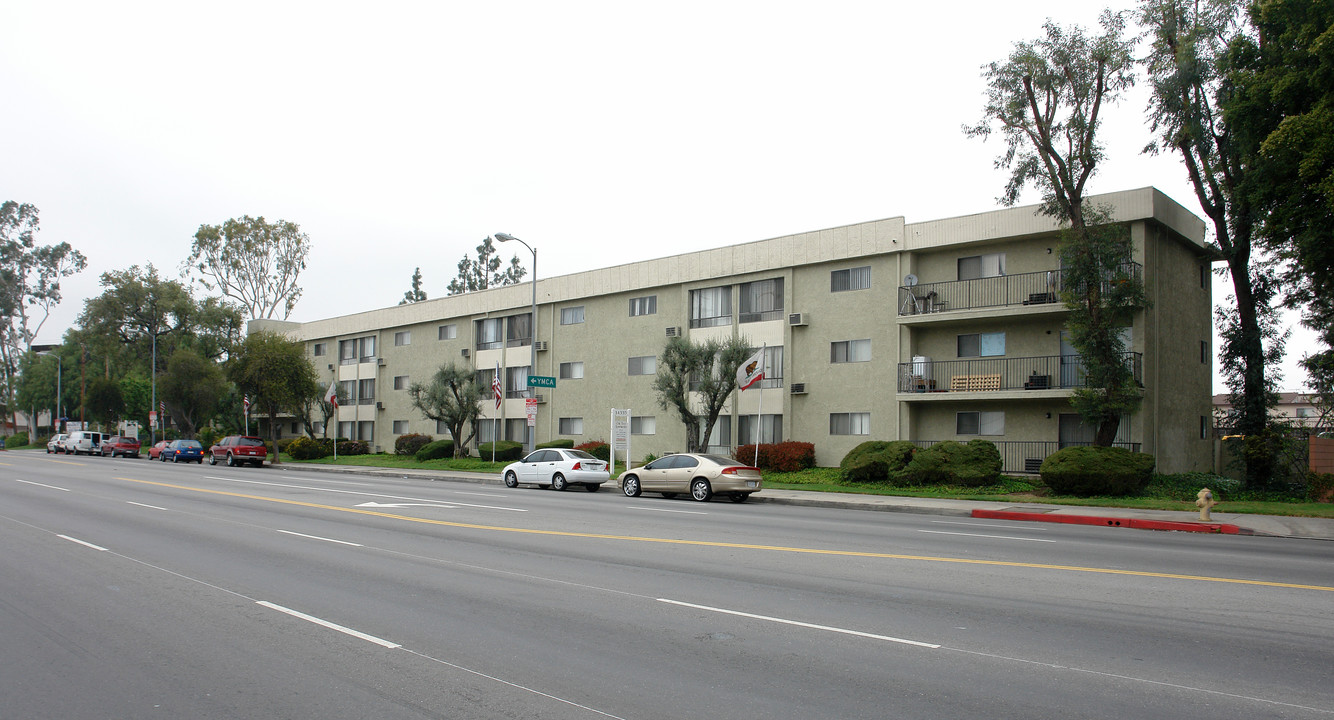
x=60, y=369
x=532, y=362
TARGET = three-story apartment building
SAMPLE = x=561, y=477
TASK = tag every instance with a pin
x=944, y=330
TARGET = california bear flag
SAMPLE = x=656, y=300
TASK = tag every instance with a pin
x=751, y=371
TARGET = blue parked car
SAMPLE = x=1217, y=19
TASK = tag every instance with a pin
x=183, y=451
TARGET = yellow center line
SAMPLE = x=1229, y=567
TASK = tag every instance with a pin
x=741, y=546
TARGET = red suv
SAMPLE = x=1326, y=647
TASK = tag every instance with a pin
x=237, y=449
x=120, y=445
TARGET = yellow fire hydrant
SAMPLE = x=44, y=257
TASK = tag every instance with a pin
x=1204, y=500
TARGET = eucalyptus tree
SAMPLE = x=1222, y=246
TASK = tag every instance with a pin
x=252, y=262
x=452, y=397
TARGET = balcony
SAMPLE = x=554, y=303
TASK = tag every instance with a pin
x=1045, y=372
x=1025, y=456
x=1035, y=288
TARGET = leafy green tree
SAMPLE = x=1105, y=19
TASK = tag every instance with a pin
x=1047, y=100
x=276, y=374
x=452, y=397
x=1191, y=69
x=484, y=271
x=104, y=401
x=416, y=294
x=253, y=262
x=192, y=388
x=36, y=387
x=696, y=379
x=30, y=277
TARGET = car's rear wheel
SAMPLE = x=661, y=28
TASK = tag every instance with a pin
x=175, y=458
x=511, y=480
x=739, y=497
x=630, y=486
x=231, y=461
x=558, y=482
x=592, y=487
x=701, y=490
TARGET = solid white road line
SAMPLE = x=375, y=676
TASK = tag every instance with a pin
x=683, y=512
x=976, y=524
x=85, y=544
x=331, y=626
x=317, y=537
x=354, y=492
x=995, y=537
x=798, y=623
x=53, y=487
x=143, y=505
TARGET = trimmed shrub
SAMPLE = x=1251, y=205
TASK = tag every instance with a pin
x=506, y=450
x=353, y=447
x=974, y=464
x=597, y=449
x=876, y=460
x=435, y=450
x=18, y=439
x=1097, y=471
x=783, y=457
x=283, y=443
x=410, y=443
x=560, y=443
x=304, y=448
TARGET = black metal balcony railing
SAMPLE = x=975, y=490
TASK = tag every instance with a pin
x=1026, y=456
x=1045, y=372
x=1035, y=288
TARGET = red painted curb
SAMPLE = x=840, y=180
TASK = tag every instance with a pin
x=1223, y=528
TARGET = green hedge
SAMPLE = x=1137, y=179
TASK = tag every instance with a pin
x=876, y=460
x=410, y=443
x=974, y=464
x=561, y=443
x=304, y=448
x=1090, y=471
x=506, y=450
x=18, y=439
x=436, y=450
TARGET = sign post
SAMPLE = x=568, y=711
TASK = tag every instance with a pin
x=620, y=434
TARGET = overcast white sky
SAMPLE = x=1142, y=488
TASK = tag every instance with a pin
x=400, y=134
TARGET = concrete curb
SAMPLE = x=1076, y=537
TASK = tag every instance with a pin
x=1135, y=523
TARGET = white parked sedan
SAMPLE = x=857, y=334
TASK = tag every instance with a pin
x=558, y=468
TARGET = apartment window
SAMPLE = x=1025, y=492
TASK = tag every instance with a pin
x=858, y=278
x=982, y=345
x=979, y=423
x=516, y=430
x=400, y=382
x=850, y=351
x=571, y=426
x=519, y=330
x=400, y=427
x=644, y=306
x=711, y=307
x=484, y=378
x=366, y=391
x=981, y=266
x=773, y=368
x=1306, y=412
x=643, y=425
x=490, y=333
x=720, y=440
x=516, y=382
x=572, y=315
x=770, y=429
x=320, y=349
x=366, y=431
x=850, y=423
x=486, y=430
x=347, y=392
x=447, y=332
x=646, y=365
x=402, y=338
x=345, y=429
x=761, y=300
x=317, y=427
x=571, y=370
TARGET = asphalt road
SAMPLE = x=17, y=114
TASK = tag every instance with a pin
x=133, y=589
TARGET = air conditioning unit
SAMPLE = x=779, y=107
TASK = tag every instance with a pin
x=799, y=388
x=379, y=405
x=541, y=399
x=674, y=332
x=541, y=345
x=797, y=319
x=380, y=362
x=466, y=352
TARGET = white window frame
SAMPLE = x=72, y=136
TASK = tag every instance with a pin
x=571, y=426
x=850, y=423
x=989, y=344
x=849, y=279
x=988, y=423
x=447, y=332
x=850, y=351
x=400, y=382
x=644, y=425
x=573, y=315
x=400, y=427
x=644, y=365
x=573, y=370
x=402, y=337
x=647, y=305
x=988, y=265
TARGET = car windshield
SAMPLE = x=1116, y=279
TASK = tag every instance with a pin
x=580, y=454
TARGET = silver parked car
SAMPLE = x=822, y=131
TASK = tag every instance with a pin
x=701, y=475
x=558, y=468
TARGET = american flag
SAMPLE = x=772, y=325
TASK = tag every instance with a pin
x=162, y=407
x=495, y=385
x=246, y=401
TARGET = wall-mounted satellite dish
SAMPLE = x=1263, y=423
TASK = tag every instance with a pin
x=909, y=280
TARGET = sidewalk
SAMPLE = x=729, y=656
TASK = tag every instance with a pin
x=1222, y=522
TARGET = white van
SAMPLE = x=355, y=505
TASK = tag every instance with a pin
x=83, y=441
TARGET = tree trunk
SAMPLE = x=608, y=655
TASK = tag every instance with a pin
x=273, y=435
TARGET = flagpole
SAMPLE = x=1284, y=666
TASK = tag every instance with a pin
x=759, y=421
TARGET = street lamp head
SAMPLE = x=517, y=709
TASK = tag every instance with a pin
x=506, y=237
